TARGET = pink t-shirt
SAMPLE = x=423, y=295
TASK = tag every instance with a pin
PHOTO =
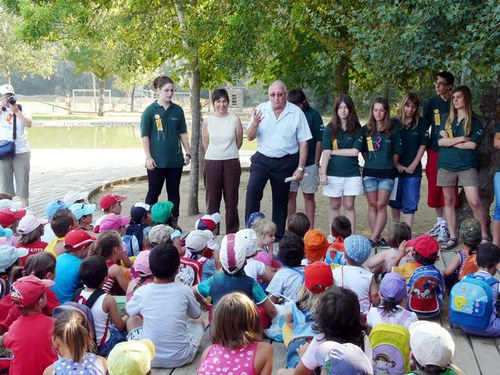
x=264, y=257
x=222, y=361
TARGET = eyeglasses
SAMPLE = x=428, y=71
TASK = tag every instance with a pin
x=378, y=143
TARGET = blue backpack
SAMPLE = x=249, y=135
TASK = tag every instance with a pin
x=472, y=302
x=302, y=334
x=425, y=292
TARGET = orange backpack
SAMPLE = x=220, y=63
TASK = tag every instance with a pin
x=468, y=267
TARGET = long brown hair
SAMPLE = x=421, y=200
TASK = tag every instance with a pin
x=468, y=110
x=352, y=123
x=410, y=97
x=372, y=123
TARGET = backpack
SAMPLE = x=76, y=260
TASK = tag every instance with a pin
x=472, y=302
x=134, y=238
x=469, y=266
x=425, y=291
x=390, y=345
x=302, y=334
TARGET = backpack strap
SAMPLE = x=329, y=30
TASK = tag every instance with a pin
x=94, y=297
x=14, y=128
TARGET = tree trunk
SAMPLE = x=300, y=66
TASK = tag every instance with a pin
x=194, y=175
x=342, y=76
x=132, y=94
x=102, y=86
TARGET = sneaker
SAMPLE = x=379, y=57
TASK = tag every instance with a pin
x=373, y=244
x=443, y=235
x=382, y=243
x=434, y=231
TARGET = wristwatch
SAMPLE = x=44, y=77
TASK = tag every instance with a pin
x=300, y=169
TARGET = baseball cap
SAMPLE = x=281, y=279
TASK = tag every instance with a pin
x=138, y=211
x=113, y=222
x=160, y=233
x=77, y=239
x=82, y=209
x=254, y=216
x=424, y=244
x=431, y=344
x=7, y=89
x=54, y=206
x=29, y=223
x=357, y=248
x=9, y=255
x=208, y=221
x=318, y=277
x=110, y=199
x=5, y=232
x=197, y=240
x=315, y=245
x=247, y=238
x=393, y=286
x=232, y=253
x=27, y=290
x=131, y=357
x=8, y=216
x=141, y=263
x=7, y=203
x=74, y=196
x=340, y=359
x=161, y=211
x=470, y=232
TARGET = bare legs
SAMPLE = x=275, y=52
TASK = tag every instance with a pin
x=377, y=212
x=309, y=205
x=350, y=210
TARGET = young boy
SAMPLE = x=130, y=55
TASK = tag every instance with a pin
x=10, y=219
x=164, y=305
x=50, y=210
x=340, y=230
x=83, y=213
x=61, y=223
x=354, y=277
x=315, y=246
x=140, y=225
x=131, y=358
x=191, y=270
x=30, y=336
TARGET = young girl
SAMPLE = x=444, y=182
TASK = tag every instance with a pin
x=459, y=138
x=340, y=176
x=381, y=150
x=141, y=273
x=73, y=342
x=236, y=332
x=382, y=262
x=414, y=137
x=31, y=230
x=254, y=268
x=391, y=310
x=265, y=230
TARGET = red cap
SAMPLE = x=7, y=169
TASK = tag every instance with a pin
x=8, y=216
x=318, y=277
x=27, y=290
x=77, y=239
x=110, y=199
x=424, y=244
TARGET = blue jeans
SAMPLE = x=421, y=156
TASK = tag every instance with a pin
x=407, y=195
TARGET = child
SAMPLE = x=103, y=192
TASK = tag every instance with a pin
x=236, y=334
x=340, y=229
x=10, y=218
x=193, y=261
x=93, y=272
x=75, y=197
x=423, y=251
x=164, y=306
x=32, y=332
x=31, y=230
x=253, y=217
x=383, y=261
x=73, y=342
x=83, y=213
x=61, y=223
x=265, y=230
x=343, y=359
x=315, y=246
x=141, y=273
x=432, y=349
x=288, y=280
x=161, y=212
x=131, y=358
x=354, y=277
x=77, y=245
x=254, y=268
x=336, y=319
x=391, y=310
x=50, y=210
x=140, y=224
x=114, y=222
x=299, y=224
x=110, y=204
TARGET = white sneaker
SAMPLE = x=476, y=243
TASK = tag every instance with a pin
x=443, y=235
x=434, y=231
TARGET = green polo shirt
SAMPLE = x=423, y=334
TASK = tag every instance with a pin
x=435, y=112
x=342, y=166
x=456, y=159
x=164, y=127
x=412, y=137
x=381, y=158
x=316, y=125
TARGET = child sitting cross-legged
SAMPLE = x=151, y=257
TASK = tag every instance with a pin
x=341, y=228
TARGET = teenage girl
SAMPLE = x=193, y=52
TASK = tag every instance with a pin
x=236, y=334
x=73, y=342
x=266, y=231
x=340, y=176
x=414, y=137
x=381, y=150
x=459, y=138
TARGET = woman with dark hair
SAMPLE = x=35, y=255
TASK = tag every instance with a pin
x=340, y=176
x=163, y=130
x=222, y=138
x=413, y=131
x=458, y=139
x=381, y=150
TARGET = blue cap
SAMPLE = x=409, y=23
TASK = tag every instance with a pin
x=54, y=206
x=254, y=216
x=357, y=248
x=82, y=209
x=5, y=232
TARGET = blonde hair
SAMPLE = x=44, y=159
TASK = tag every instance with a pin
x=307, y=300
x=468, y=110
x=263, y=226
x=236, y=321
x=73, y=329
x=410, y=97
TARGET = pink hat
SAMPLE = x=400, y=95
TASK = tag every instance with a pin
x=27, y=290
x=141, y=263
x=113, y=222
x=29, y=223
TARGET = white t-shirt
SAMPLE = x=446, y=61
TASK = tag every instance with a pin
x=6, y=129
x=254, y=268
x=287, y=281
x=100, y=317
x=164, y=308
x=402, y=317
x=356, y=279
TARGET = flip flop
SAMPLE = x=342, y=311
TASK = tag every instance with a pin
x=450, y=244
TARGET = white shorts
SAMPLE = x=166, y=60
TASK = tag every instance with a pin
x=340, y=186
x=309, y=183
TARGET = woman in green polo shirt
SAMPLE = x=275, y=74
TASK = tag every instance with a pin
x=340, y=177
x=163, y=130
x=458, y=139
x=381, y=150
x=413, y=132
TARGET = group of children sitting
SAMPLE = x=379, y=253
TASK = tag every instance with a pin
x=62, y=282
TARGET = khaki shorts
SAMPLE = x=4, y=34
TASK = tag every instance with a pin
x=446, y=178
x=310, y=182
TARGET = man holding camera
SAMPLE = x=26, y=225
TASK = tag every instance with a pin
x=14, y=148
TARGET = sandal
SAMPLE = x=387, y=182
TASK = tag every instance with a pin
x=450, y=244
x=485, y=240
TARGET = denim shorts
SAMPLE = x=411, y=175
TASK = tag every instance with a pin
x=372, y=184
x=496, y=213
x=407, y=195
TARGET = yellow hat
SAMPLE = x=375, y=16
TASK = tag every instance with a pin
x=131, y=358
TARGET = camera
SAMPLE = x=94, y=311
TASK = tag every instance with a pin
x=12, y=100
